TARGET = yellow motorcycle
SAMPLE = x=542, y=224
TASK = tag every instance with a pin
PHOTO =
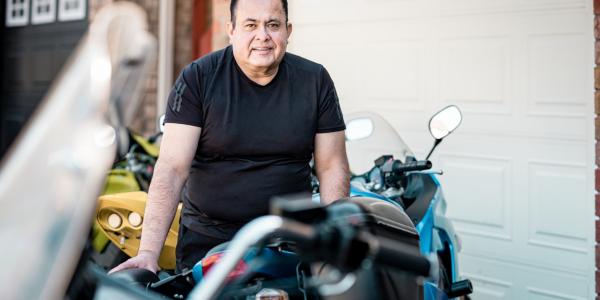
x=119, y=218
x=119, y=214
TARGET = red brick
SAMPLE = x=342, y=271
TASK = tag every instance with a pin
x=598, y=153
x=597, y=122
x=597, y=179
x=597, y=102
x=598, y=256
x=597, y=78
x=597, y=231
x=597, y=283
x=597, y=7
x=598, y=207
x=597, y=48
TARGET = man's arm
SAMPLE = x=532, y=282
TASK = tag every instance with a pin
x=179, y=143
x=331, y=164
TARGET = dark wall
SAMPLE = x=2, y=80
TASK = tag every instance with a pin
x=31, y=57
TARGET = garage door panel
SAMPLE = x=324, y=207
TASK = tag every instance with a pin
x=545, y=294
x=560, y=259
x=555, y=69
x=490, y=288
x=493, y=280
x=482, y=208
x=518, y=252
x=475, y=74
x=522, y=127
x=554, y=212
x=356, y=33
x=337, y=11
x=477, y=7
x=400, y=63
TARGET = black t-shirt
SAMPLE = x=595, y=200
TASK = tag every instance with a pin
x=256, y=141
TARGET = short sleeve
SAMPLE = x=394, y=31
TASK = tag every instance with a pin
x=330, y=118
x=184, y=105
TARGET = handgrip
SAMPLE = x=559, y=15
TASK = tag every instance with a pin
x=411, y=166
x=402, y=257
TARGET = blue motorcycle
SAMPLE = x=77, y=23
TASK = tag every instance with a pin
x=406, y=182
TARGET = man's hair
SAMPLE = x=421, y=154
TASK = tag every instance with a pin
x=233, y=7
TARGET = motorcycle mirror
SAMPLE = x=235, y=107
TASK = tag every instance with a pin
x=445, y=121
x=161, y=123
x=359, y=129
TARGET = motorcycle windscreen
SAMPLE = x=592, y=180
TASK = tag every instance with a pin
x=369, y=136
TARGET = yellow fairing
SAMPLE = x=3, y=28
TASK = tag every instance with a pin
x=151, y=149
x=115, y=215
x=120, y=181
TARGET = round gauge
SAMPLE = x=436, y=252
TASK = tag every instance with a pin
x=114, y=221
x=135, y=219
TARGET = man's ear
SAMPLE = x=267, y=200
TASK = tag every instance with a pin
x=289, y=29
x=230, y=28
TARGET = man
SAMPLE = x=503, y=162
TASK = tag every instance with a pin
x=242, y=123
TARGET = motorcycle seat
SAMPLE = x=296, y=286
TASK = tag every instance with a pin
x=386, y=215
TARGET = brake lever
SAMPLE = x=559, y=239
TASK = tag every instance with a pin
x=434, y=172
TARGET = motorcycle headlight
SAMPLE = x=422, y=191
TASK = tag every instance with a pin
x=114, y=221
x=135, y=219
x=272, y=294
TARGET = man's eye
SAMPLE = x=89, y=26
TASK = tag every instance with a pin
x=250, y=26
x=273, y=26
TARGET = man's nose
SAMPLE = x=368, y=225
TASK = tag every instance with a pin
x=263, y=33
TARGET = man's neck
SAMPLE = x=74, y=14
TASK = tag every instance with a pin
x=261, y=76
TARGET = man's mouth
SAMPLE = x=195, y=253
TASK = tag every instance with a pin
x=262, y=50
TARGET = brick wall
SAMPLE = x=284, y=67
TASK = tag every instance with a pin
x=146, y=122
x=597, y=112
x=183, y=35
x=220, y=11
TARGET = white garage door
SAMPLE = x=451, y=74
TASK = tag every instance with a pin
x=519, y=172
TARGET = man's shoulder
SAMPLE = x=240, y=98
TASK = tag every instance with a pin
x=209, y=62
x=302, y=64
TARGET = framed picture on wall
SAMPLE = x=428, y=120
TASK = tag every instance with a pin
x=17, y=13
x=71, y=10
x=43, y=11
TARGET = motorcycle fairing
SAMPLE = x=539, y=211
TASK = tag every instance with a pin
x=447, y=238
x=419, y=194
x=436, y=230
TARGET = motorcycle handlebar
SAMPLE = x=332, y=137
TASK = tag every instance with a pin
x=419, y=165
x=385, y=251
x=399, y=256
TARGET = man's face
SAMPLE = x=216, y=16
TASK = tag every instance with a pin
x=259, y=36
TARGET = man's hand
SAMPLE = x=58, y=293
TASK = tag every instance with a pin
x=144, y=260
